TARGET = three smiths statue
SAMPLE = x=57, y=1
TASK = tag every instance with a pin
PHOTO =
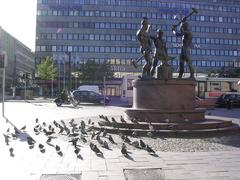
x=186, y=35
x=145, y=46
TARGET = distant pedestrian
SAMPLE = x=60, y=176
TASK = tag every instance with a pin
x=229, y=103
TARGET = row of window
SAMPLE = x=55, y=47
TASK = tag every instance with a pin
x=123, y=61
x=123, y=14
x=124, y=37
x=112, y=49
x=153, y=4
x=128, y=26
x=76, y=36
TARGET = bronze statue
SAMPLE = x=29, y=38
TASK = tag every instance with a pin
x=186, y=35
x=160, y=51
x=145, y=46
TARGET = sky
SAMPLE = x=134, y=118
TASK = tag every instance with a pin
x=18, y=18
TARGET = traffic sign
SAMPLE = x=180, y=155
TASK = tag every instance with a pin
x=3, y=59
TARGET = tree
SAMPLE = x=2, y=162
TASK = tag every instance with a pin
x=93, y=72
x=47, y=71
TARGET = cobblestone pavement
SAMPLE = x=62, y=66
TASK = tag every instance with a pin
x=31, y=163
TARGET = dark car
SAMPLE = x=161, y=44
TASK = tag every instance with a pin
x=89, y=97
x=233, y=97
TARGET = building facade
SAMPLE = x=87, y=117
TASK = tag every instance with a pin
x=20, y=62
x=102, y=30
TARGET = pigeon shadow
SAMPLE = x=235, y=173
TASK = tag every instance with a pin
x=100, y=155
x=80, y=157
x=60, y=153
x=22, y=135
x=154, y=155
x=72, y=107
x=129, y=157
x=50, y=144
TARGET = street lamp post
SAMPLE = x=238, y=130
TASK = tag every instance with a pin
x=69, y=71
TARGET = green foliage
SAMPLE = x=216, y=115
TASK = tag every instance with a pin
x=93, y=72
x=47, y=70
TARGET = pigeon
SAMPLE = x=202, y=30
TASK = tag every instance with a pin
x=122, y=120
x=142, y=144
x=99, y=132
x=41, y=146
x=6, y=138
x=83, y=131
x=126, y=139
x=113, y=120
x=49, y=139
x=124, y=150
x=36, y=120
x=8, y=130
x=111, y=139
x=23, y=128
x=150, y=134
x=104, y=133
x=135, y=144
x=16, y=131
x=44, y=124
x=83, y=138
x=48, y=133
x=30, y=141
x=105, y=145
x=11, y=152
x=61, y=129
x=73, y=135
x=55, y=123
x=74, y=141
x=134, y=134
x=106, y=119
x=95, y=149
x=63, y=123
x=83, y=125
x=14, y=136
x=150, y=126
x=57, y=148
x=134, y=120
x=76, y=151
x=89, y=121
x=150, y=150
x=93, y=135
x=100, y=141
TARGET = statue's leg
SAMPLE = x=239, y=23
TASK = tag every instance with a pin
x=189, y=62
x=181, y=65
x=144, y=73
x=148, y=65
x=154, y=65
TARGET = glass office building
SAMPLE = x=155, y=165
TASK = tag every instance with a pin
x=102, y=30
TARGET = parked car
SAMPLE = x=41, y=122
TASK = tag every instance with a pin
x=89, y=97
x=234, y=97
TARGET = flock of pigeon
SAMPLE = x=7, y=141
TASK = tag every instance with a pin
x=76, y=134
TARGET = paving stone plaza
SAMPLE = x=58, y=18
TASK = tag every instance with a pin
x=26, y=163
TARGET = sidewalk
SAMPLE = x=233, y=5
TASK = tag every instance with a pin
x=31, y=164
